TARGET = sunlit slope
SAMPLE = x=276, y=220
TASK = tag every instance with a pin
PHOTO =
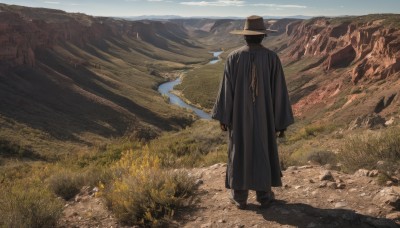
x=72, y=79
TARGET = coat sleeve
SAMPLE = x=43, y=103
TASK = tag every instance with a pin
x=223, y=106
x=282, y=108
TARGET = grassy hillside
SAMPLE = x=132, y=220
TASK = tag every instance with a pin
x=97, y=83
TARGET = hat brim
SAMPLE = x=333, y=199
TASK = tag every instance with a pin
x=252, y=32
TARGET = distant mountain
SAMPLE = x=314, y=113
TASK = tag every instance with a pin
x=173, y=17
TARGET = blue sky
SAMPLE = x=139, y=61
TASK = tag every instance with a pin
x=240, y=8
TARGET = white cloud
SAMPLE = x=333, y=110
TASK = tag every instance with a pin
x=216, y=3
x=280, y=6
x=49, y=2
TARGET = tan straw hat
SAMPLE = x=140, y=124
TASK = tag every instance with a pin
x=254, y=25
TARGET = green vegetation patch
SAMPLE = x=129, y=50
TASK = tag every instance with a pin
x=28, y=205
x=201, y=85
x=365, y=150
x=143, y=193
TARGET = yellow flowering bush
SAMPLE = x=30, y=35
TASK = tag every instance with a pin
x=143, y=192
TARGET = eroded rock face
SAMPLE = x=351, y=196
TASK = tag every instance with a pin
x=371, y=49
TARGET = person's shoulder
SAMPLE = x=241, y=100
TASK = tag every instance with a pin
x=270, y=52
x=236, y=53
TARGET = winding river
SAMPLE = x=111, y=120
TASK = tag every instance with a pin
x=166, y=88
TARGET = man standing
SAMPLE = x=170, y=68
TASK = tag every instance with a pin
x=253, y=105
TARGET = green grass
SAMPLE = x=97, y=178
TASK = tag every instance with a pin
x=364, y=150
x=201, y=84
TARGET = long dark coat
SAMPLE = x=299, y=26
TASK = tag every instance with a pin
x=253, y=101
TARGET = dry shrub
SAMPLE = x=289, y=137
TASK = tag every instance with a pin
x=322, y=157
x=365, y=150
x=143, y=193
x=28, y=206
x=66, y=184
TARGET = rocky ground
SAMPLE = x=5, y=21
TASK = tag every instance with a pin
x=312, y=196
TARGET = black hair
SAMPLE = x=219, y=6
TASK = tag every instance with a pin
x=256, y=39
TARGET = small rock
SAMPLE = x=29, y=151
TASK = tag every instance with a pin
x=306, y=167
x=352, y=190
x=297, y=187
x=199, y=182
x=381, y=163
x=373, y=211
x=286, y=186
x=216, y=166
x=394, y=216
x=373, y=173
x=387, y=196
x=340, y=186
x=323, y=184
x=396, y=189
x=389, y=183
x=221, y=221
x=327, y=175
x=340, y=205
x=206, y=225
x=332, y=185
x=311, y=181
x=314, y=192
x=389, y=122
x=361, y=173
x=291, y=168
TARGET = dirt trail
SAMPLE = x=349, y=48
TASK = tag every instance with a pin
x=305, y=201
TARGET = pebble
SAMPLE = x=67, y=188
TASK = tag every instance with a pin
x=394, y=216
x=340, y=205
x=221, y=221
x=291, y=168
x=199, y=182
x=205, y=225
x=332, y=185
x=327, y=175
x=373, y=173
x=387, y=197
x=323, y=184
x=361, y=173
x=341, y=186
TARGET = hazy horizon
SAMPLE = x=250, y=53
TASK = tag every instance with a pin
x=215, y=8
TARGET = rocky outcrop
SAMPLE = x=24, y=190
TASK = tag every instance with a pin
x=370, y=48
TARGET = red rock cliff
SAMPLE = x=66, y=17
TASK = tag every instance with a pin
x=370, y=47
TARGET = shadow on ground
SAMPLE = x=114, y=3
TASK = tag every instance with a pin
x=305, y=216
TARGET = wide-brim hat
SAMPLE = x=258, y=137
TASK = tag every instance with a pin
x=254, y=25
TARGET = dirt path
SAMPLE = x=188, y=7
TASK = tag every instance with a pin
x=305, y=201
